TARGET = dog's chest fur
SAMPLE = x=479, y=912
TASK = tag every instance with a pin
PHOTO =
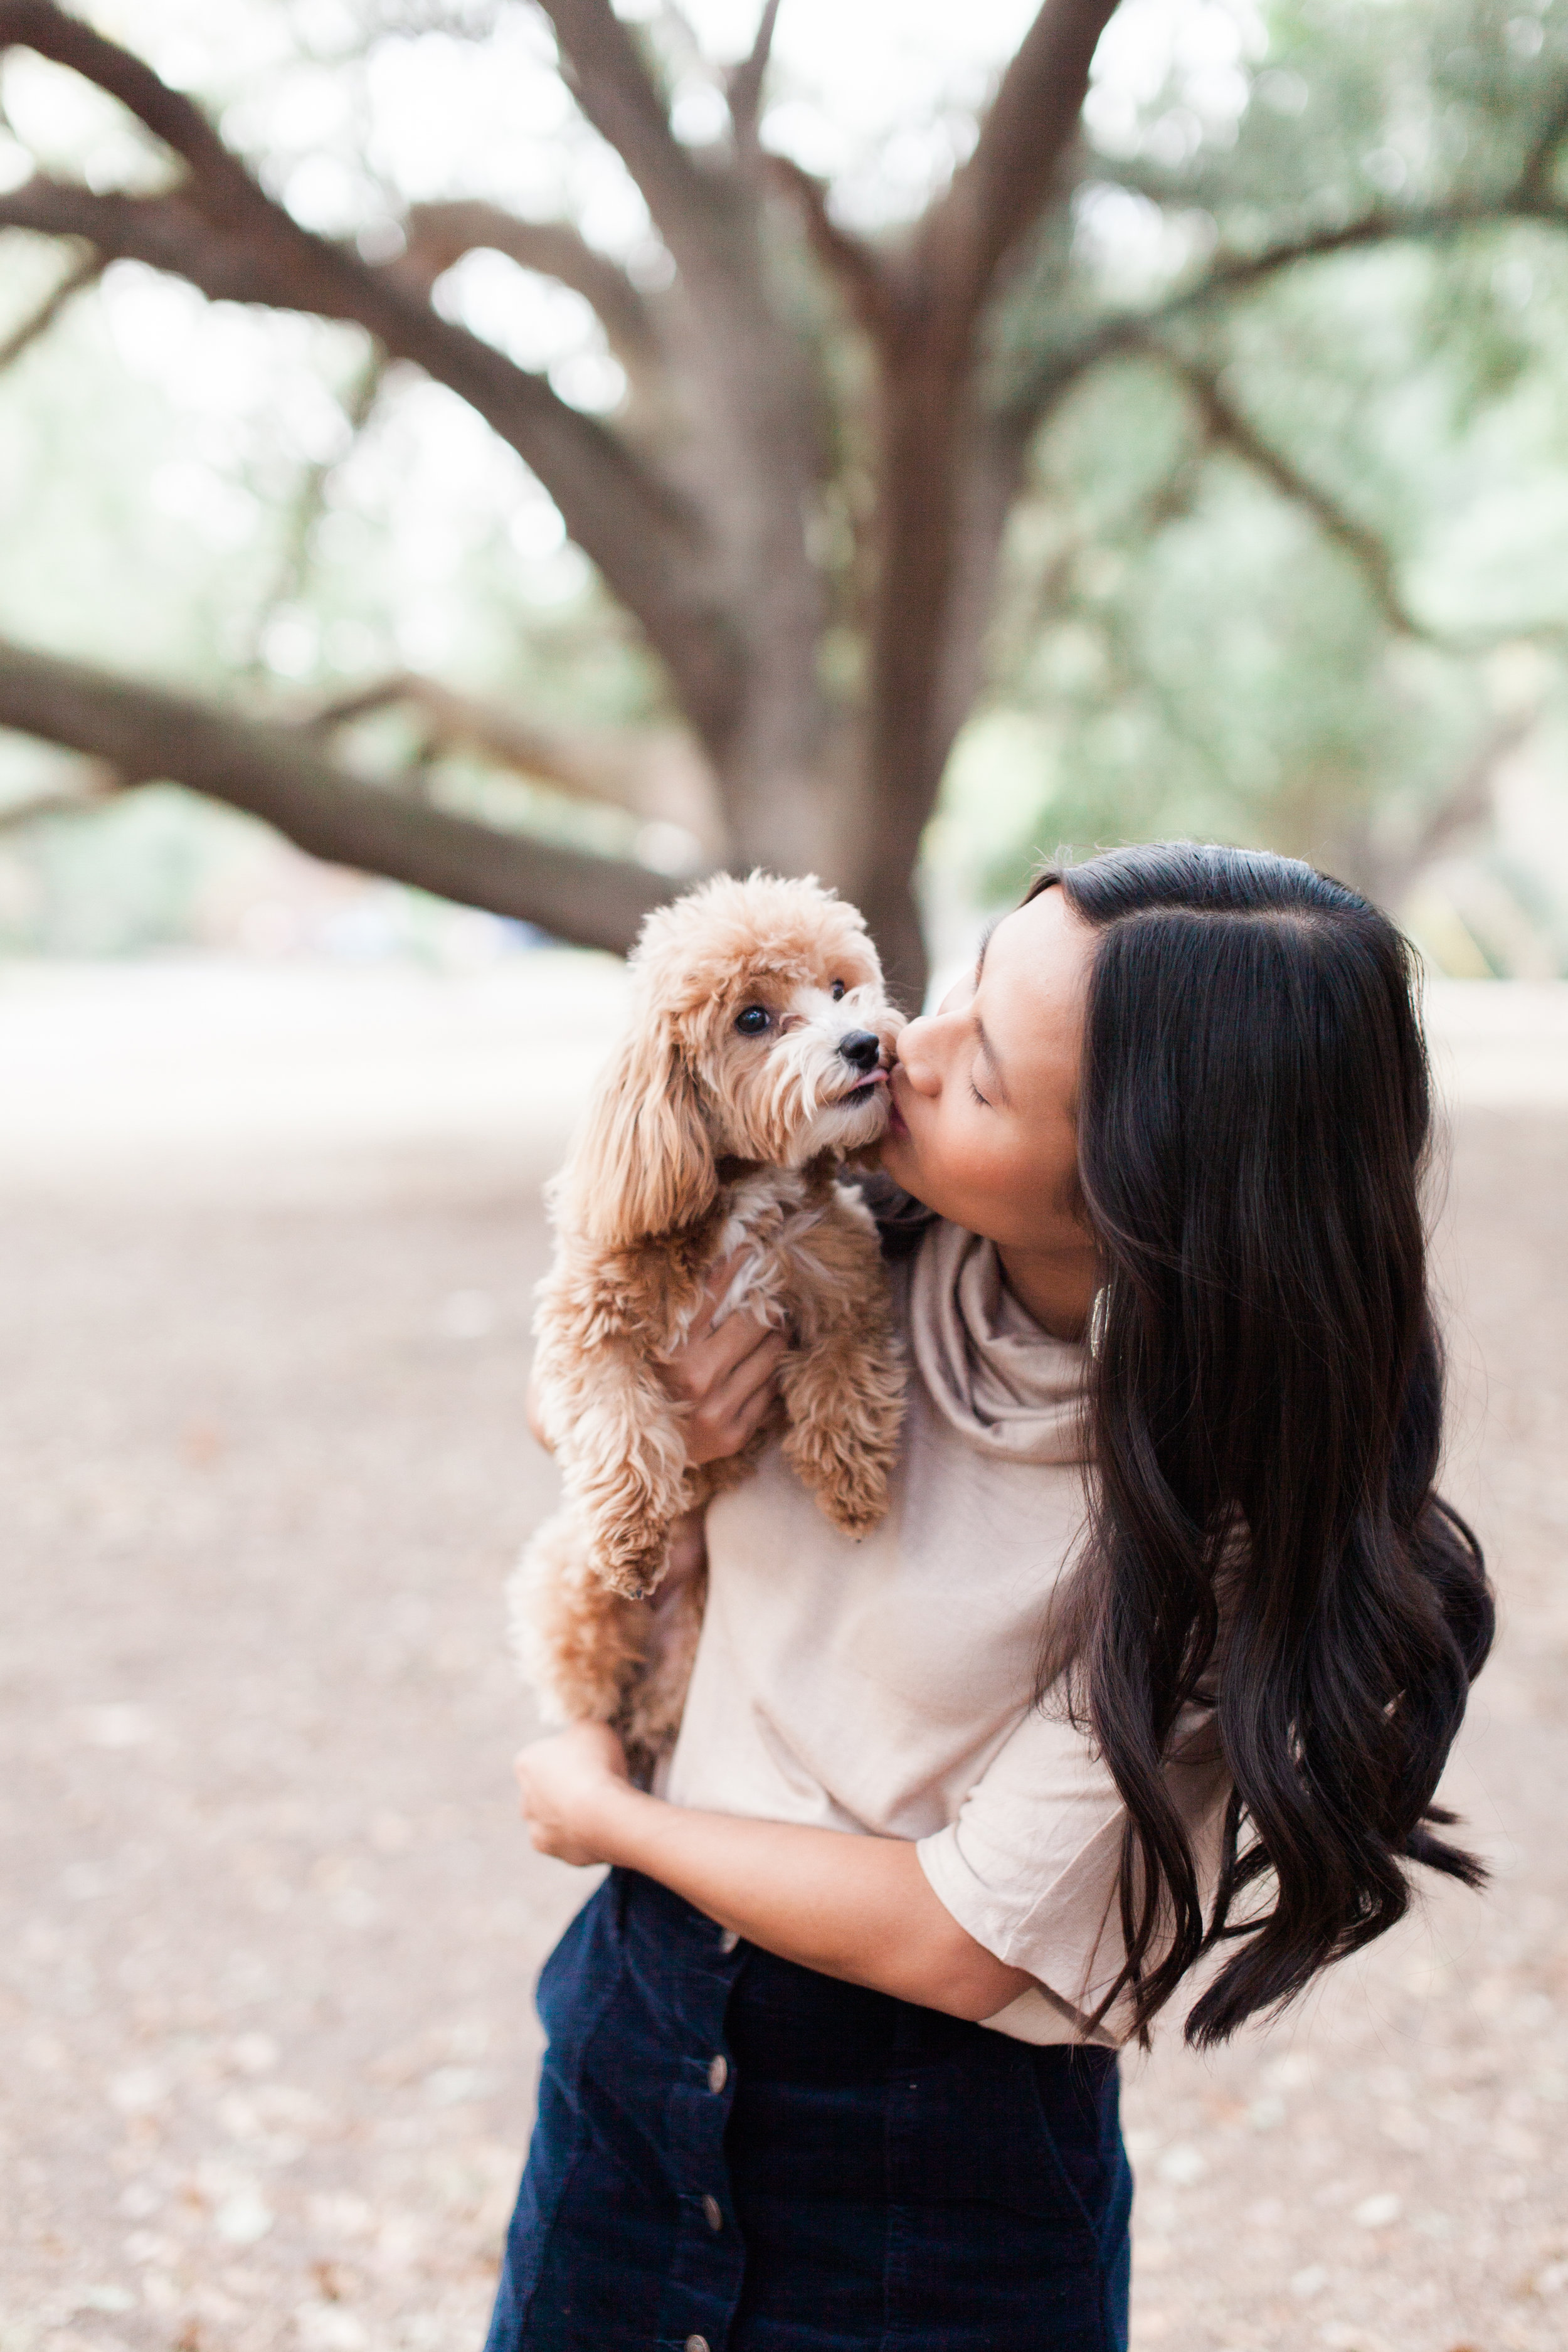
x=646, y=1298
x=768, y=1217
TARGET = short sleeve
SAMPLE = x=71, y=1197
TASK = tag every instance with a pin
x=1030, y=1866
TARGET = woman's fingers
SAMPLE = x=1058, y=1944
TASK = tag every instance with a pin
x=708, y=1362
x=751, y=1414
x=559, y=1779
x=726, y=1374
x=727, y=1416
x=752, y=1378
x=712, y=1353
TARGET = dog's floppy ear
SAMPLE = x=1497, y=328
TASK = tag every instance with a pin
x=644, y=1163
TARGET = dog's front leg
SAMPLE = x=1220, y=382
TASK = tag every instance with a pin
x=626, y=1469
x=843, y=1385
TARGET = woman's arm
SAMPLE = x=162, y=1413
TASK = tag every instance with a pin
x=860, y=1908
x=856, y=1907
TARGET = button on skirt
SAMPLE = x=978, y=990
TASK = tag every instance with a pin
x=733, y=2154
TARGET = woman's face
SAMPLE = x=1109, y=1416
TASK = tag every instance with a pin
x=985, y=1090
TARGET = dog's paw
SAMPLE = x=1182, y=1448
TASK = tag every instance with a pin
x=634, y=1570
x=851, y=1491
x=859, y=1510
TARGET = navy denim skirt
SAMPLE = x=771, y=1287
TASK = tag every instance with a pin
x=733, y=2154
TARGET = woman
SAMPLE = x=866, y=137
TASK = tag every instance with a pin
x=1159, y=1653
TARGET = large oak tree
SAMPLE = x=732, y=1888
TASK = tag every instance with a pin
x=753, y=504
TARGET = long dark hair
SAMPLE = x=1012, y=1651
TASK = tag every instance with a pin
x=1254, y=1122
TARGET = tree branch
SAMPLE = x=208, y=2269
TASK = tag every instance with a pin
x=231, y=193
x=608, y=78
x=1468, y=799
x=753, y=410
x=1434, y=223
x=165, y=232
x=236, y=243
x=148, y=734
x=440, y=233
x=1058, y=369
x=1033, y=120
x=86, y=273
x=927, y=578
x=858, y=268
x=704, y=211
x=1227, y=426
x=1230, y=430
x=743, y=84
x=653, y=773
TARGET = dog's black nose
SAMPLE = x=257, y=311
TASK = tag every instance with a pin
x=861, y=1049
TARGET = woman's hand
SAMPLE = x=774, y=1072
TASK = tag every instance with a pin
x=563, y=1783
x=726, y=1375
x=857, y=1907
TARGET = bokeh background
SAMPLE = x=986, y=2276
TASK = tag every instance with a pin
x=1268, y=405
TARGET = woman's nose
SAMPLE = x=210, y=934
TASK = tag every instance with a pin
x=915, y=1056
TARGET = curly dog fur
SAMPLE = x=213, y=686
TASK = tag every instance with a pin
x=755, y=1063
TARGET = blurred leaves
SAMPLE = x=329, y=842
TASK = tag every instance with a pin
x=1191, y=650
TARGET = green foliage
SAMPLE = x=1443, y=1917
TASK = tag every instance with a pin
x=1193, y=646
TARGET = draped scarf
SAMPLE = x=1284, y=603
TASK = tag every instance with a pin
x=1007, y=1386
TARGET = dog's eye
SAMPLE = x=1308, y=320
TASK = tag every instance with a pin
x=838, y=990
x=753, y=1021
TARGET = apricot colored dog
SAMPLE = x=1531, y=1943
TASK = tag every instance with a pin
x=756, y=1064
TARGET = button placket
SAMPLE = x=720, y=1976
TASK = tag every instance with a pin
x=706, y=2268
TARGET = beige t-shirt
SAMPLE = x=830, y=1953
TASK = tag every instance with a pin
x=888, y=1687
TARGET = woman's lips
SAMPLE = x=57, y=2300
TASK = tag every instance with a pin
x=896, y=1121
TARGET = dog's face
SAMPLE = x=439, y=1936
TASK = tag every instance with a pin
x=792, y=1056
x=764, y=1033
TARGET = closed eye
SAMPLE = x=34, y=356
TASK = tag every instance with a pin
x=977, y=1097
x=985, y=943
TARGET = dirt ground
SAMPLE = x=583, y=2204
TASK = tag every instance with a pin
x=269, y=1924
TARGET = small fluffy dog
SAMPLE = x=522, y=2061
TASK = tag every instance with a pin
x=757, y=1061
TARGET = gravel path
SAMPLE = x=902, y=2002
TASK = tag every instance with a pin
x=271, y=1926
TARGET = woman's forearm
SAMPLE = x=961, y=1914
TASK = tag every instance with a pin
x=860, y=1908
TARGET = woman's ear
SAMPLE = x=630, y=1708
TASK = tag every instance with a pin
x=644, y=1163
